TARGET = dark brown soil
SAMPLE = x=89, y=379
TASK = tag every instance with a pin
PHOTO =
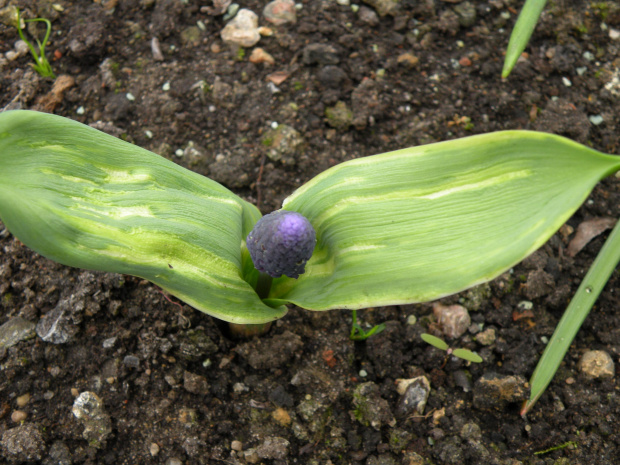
x=175, y=388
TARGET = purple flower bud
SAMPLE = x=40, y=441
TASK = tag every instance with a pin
x=281, y=243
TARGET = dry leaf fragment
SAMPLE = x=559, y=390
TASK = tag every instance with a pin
x=587, y=231
x=278, y=77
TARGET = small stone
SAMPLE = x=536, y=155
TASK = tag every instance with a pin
x=88, y=409
x=259, y=55
x=251, y=456
x=282, y=416
x=242, y=30
x=412, y=458
x=384, y=7
x=614, y=34
x=596, y=119
x=471, y=431
x=15, y=330
x=274, y=448
x=131, y=361
x=466, y=13
x=566, y=82
x=453, y=320
x=339, y=116
x=322, y=54
x=56, y=326
x=284, y=144
x=280, y=12
x=191, y=36
x=370, y=409
x=408, y=59
x=22, y=444
x=368, y=16
x=173, y=461
x=236, y=446
x=486, y=337
x=195, y=384
x=413, y=400
x=21, y=401
x=465, y=62
x=494, y=391
x=59, y=454
x=154, y=449
x=597, y=364
x=18, y=416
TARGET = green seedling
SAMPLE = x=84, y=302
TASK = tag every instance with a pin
x=440, y=344
x=520, y=36
x=41, y=65
x=360, y=334
x=402, y=227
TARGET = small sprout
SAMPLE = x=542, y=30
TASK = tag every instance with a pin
x=281, y=243
x=41, y=65
x=359, y=334
x=442, y=345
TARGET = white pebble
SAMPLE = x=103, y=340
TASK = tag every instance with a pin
x=130, y=96
x=274, y=125
x=179, y=152
x=363, y=373
x=596, y=119
x=581, y=70
x=80, y=110
x=148, y=134
x=614, y=34
x=567, y=82
x=166, y=87
x=588, y=56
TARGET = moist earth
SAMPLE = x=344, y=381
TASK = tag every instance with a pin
x=106, y=369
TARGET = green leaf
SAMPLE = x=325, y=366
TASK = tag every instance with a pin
x=421, y=223
x=89, y=200
x=597, y=276
x=467, y=355
x=520, y=36
x=434, y=341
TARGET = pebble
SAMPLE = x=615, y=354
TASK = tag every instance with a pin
x=465, y=62
x=597, y=364
x=259, y=55
x=466, y=13
x=408, y=59
x=339, y=116
x=280, y=12
x=486, y=337
x=493, y=391
x=154, y=449
x=173, y=461
x=384, y=7
x=194, y=383
x=413, y=399
x=88, y=409
x=236, y=446
x=131, y=361
x=370, y=408
x=282, y=416
x=21, y=401
x=56, y=326
x=15, y=330
x=18, y=416
x=596, y=119
x=453, y=319
x=242, y=30
x=614, y=34
x=23, y=444
x=274, y=448
x=283, y=144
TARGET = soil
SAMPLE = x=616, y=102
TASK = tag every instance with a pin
x=171, y=385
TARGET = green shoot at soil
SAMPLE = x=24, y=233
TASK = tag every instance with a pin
x=440, y=344
x=524, y=27
x=41, y=65
x=585, y=297
x=359, y=334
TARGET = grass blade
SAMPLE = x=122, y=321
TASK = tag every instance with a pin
x=520, y=36
x=576, y=312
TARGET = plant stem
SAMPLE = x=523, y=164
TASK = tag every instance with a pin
x=263, y=286
x=576, y=312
